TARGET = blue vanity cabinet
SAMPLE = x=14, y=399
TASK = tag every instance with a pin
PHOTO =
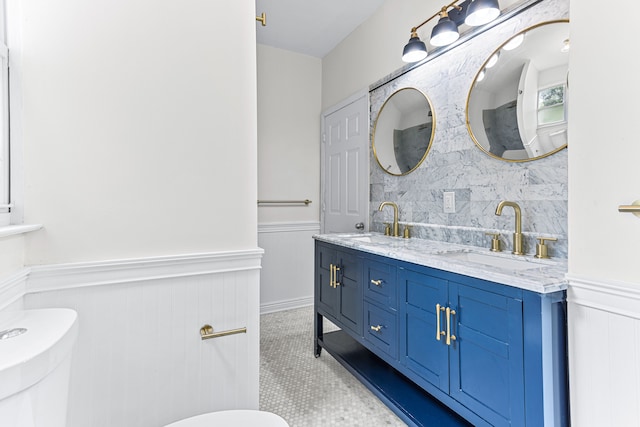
x=494, y=355
x=338, y=290
x=463, y=337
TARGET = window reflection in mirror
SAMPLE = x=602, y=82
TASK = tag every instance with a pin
x=403, y=132
x=517, y=108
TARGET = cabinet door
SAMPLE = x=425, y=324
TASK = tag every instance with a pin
x=420, y=349
x=487, y=374
x=350, y=291
x=326, y=294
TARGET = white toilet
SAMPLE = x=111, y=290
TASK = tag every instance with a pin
x=233, y=418
x=35, y=363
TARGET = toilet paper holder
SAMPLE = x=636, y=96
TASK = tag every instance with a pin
x=206, y=332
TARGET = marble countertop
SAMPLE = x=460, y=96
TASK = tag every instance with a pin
x=525, y=272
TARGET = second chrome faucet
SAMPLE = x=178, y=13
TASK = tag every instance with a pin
x=517, y=235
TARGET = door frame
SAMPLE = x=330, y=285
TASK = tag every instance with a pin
x=364, y=93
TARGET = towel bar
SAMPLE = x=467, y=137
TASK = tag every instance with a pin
x=206, y=332
x=287, y=202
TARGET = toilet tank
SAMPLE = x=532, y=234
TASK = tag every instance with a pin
x=35, y=360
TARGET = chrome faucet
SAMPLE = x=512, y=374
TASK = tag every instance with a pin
x=396, y=226
x=517, y=235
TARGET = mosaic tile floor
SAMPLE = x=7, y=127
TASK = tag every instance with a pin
x=306, y=391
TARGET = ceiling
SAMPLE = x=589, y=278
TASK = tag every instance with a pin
x=311, y=27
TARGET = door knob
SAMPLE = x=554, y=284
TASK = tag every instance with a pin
x=633, y=208
x=360, y=226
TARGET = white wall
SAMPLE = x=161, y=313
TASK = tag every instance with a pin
x=139, y=128
x=603, y=161
x=12, y=250
x=289, y=89
x=604, y=297
x=140, y=156
x=373, y=50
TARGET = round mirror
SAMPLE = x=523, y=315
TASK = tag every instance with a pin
x=403, y=131
x=517, y=104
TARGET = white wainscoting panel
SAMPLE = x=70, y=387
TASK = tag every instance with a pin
x=12, y=290
x=287, y=266
x=604, y=353
x=139, y=360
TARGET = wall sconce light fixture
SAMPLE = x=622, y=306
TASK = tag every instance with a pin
x=470, y=12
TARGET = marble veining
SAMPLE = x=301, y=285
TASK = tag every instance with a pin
x=544, y=276
x=454, y=163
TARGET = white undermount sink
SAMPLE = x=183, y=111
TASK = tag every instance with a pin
x=492, y=260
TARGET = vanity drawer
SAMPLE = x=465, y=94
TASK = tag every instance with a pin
x=380, y=329
x=380, y=284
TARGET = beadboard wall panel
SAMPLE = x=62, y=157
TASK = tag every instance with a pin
x=287, y=266
x=139, y=360
x=604, y=332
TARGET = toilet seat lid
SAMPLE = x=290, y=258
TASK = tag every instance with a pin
x=233, y=418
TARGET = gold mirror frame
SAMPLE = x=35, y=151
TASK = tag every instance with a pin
x=560, y=125
x=403, y=113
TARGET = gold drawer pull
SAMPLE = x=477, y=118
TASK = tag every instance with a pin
x=335, y=276
x=376, y=328
x=376, y=282
x=206, y=332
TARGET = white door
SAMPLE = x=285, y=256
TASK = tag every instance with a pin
x=345, y=166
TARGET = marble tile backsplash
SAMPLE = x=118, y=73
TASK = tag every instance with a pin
x=455, y=164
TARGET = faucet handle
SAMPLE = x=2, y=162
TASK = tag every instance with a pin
x=406, y=233
x=541, y=248
x=387, y=229
x=495, y=242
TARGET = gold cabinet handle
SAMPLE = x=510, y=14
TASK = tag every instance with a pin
x=439, y=331
x=335, y=276
x=450, y=337
x=633, y=208
x=376, y=328
x=206, y=332
x=376, y=282
x=331, y=275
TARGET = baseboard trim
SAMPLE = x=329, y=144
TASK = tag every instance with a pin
x=74, y=275
x=621, y=298
x=273, y=307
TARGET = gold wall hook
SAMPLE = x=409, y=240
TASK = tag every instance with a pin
x=263, y=19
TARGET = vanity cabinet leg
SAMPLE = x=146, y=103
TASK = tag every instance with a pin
x=317, y=334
